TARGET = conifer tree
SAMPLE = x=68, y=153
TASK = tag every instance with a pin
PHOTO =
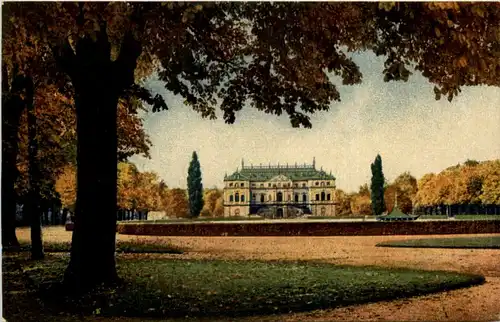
x=195, y=187
x=377, y=187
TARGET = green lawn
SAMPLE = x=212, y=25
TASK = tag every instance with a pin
x=463, y=217
x=121, y=247
x=180, y=288
x=461, y=242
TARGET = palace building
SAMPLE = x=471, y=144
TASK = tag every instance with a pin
x=280, y=191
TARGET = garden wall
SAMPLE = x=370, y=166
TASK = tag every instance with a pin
x=311, y=229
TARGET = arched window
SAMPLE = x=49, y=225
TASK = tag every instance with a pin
x=262, y=198
x=328, y=197
x=254, y=197
x=304, y=197
x=231, y=184
x=317, y=183
x=317, y=197
x=237, y=197
x=328, y=183
x=303, y=185
x=231, y=198
x=323, y=196
x=296, y=197
x=242, y=198
x=242, y=184
x=280, y=197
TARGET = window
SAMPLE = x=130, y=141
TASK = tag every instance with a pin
x=323, y=211
x=303, y=185
x=317, y=196
x=253, y=184
x=289, y=197
x=296, y=197
x=323, y=196
x=237, y=212
x=328, y=197
x=317, y=183
x=242, y=184
x=262, y=198
x=231, y=184
x=254, y=197
x=296, y=185
x=322, y=184
x=231, y=198
x=274, y=186
x=304, y=197
x=262, y=185
x=237, y=197
x=242, y=198
x=328, y=183
x=269, y=185
x=280, y=197
x=270, y=198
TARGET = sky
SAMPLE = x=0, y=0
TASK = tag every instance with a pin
x=401, y=121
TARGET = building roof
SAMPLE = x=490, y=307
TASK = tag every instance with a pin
x=266, y=173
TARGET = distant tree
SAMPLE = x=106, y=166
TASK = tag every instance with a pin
x=195, y=187
x=66, y=187
x=364, y=190
x=210, y=199
x=219, y=207
x=177, y=203
x=491, y=185
x=360, y=205
x=377, y=187
x=404, y=201
x=471, y=163
x=344, y=202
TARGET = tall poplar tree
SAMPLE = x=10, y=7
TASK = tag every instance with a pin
x=195, y=187
x=377, y=187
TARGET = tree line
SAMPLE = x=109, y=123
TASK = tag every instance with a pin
x=468, y=188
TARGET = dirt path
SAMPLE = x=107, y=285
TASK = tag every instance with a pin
x=476, y=303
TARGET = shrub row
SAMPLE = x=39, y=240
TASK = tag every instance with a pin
x=311, y=229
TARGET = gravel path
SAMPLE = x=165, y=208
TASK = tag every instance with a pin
x=475, y=303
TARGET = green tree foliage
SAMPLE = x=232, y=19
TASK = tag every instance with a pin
x=377, y=187
x=278, y=57
x=195, y=187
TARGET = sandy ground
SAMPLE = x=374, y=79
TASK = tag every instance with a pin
x=475, y=303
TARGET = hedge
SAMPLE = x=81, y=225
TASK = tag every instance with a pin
x=311, y=229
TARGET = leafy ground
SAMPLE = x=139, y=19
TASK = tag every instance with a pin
x=179, y=288
x=490, y=242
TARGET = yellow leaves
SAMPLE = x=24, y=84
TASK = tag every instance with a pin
x=462, y=62
x=437, y=31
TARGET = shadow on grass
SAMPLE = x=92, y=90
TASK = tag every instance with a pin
x=216, y=288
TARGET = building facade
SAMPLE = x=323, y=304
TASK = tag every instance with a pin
x=279, y=191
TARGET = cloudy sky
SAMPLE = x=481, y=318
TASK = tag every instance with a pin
x=401, y=121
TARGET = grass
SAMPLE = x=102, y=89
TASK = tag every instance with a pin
x=463, y=217
x=461, y=242
x=180, y=288
x=121, y=247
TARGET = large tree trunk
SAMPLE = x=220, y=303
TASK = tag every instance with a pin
x=93, y=243
x=12, y=107
x=98, y=83
x=34, y=175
